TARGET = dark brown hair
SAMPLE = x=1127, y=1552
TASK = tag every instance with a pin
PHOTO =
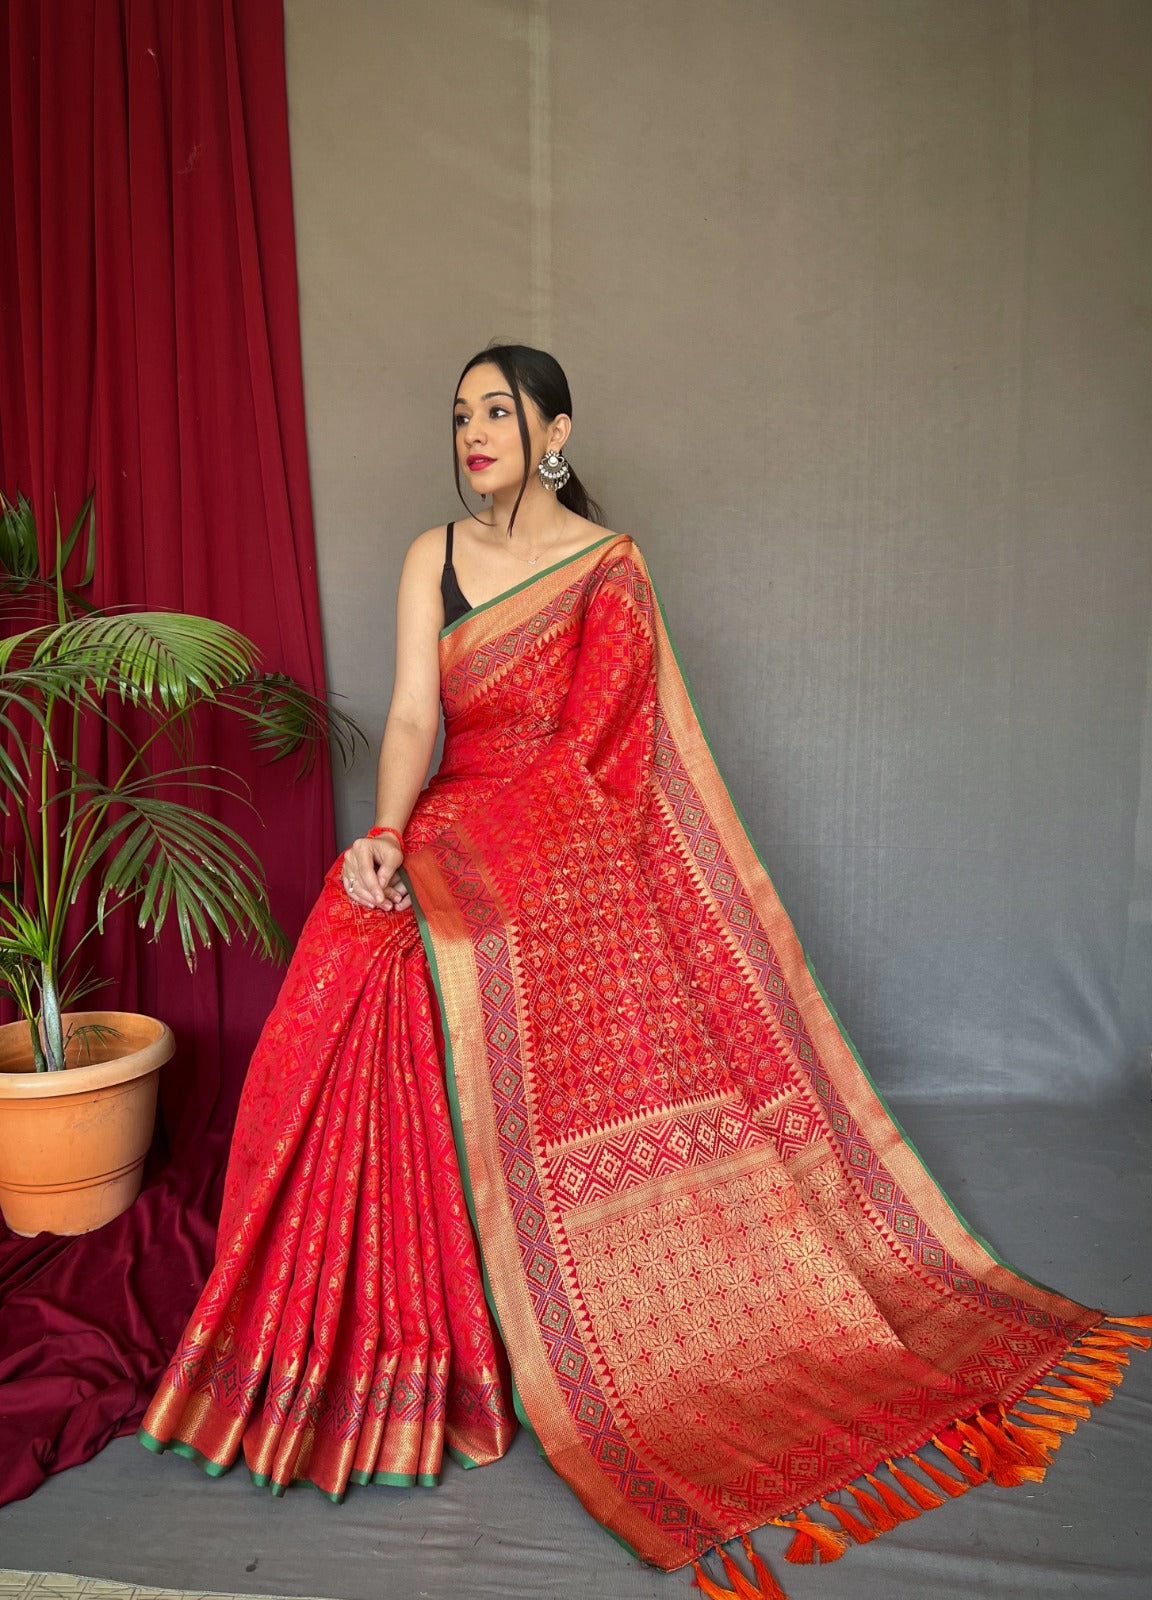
x=541, y=377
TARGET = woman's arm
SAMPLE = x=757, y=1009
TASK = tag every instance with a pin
x=410, y=730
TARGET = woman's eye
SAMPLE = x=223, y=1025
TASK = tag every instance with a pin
x=496, y=411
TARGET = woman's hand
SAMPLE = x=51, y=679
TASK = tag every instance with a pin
x=370, y=874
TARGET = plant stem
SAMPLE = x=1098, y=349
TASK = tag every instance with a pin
x=38, y=1062
x=26, y=828
x=73, y=848
x=49, y=1037
x=52, y=1028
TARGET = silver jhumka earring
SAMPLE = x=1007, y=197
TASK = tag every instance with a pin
x=554, y=470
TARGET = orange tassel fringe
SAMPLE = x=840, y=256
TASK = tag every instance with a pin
x=1096, y=1391
x=973, y=1474
x=899, y=1507
x=712, y=1590
x=1037, y=1445
x=979, y=1446
x=1064, y=1402
x=1055, y=1414
x=875, y=1510
x=740, y=1585
x=862, y=1532
x=923, y=1496
x=812, y=1537
x=1007, y=1444
x=1118, y=1336
x=769, y=1588
x=1108, y=1348
x=1063, y=1391
x=1108, y=1373
x=942, y=1479
x=1010, y=1465
x=765, y=1587
x=1037, y=1428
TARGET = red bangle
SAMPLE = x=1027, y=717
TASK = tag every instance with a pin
x=375, y=832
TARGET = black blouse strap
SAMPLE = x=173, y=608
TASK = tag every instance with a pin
x=448, y=545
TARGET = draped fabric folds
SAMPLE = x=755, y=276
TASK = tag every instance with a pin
x=149, y=342
x=343, y=1334
x=727, y=1287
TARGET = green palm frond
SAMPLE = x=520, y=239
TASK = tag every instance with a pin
x=24, y=946
x=21, y=569
x=289, y=719
x=23, y=935
x=73, y=989
x=16, y=649
x=140, y=655
x=18, y=975
x=31, y=679
x=174, y=860
x=66, y=545
x=17, y=970
x=19, y=551
x=192, y=776
x=28, y=686
x=27, y=693
x=90, y=1034
x=15, y=762
x=147, y=838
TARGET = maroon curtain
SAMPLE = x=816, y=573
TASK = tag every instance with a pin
x=149, y=344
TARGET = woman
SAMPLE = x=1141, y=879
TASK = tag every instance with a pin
x=556, y=989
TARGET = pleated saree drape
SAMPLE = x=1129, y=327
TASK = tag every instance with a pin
x=727, y=1287
x=343, y=1334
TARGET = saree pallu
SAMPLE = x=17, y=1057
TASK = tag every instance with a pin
x=728, y=1290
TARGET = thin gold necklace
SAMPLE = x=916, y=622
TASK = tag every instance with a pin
x=529, y=560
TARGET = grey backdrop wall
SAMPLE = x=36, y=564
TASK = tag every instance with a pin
x=855, y=298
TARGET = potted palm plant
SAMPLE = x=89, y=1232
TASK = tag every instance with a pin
x=78, y=1088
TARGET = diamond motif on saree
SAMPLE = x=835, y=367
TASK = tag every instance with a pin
x=675, y=1157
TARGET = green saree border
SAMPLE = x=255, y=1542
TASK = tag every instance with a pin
x=264, y=1480
x=516, y=588
x=396, y=1480
x=470, y=1201
x=840, y=1028
x=458, y=1137
x=177, y=1447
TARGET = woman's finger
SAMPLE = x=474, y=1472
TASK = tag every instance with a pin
x=367, y=871
x=362, y=890
x=397, y=892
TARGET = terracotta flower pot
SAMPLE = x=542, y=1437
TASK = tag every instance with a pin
x=72, y=1143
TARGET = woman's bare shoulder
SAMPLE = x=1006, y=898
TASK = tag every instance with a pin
x=431, y=542
x=419, y=590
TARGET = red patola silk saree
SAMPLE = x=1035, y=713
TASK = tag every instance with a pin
x=728, y=1291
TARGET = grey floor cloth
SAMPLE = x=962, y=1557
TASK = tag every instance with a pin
x=1063, y=1194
